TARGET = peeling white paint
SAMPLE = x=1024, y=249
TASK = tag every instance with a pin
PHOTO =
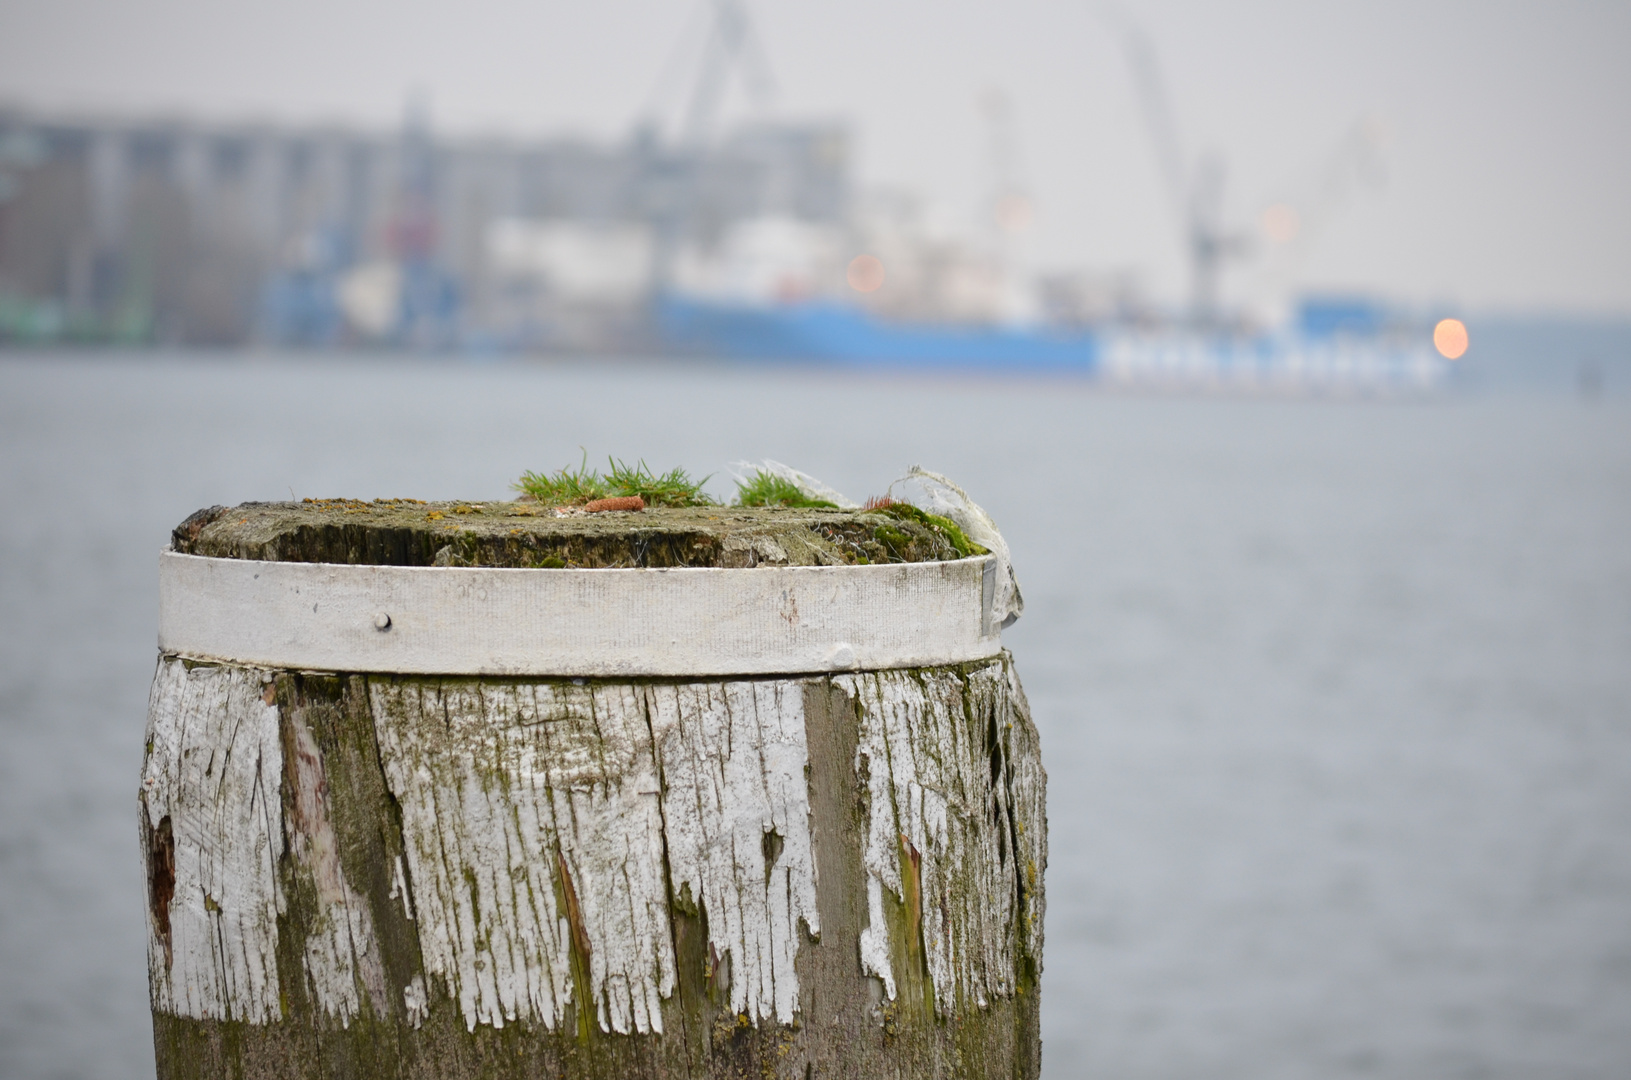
x=214, y=768
x=399, y=887
x=495, y=779
x=924, y=750
x=1028, y=787
x=342, y=957
x=875, y=938
x=415, y=1001
x=502, y=784
x=733, y=757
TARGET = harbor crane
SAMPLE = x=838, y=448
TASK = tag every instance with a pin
x=1195, y=193
x=731, y=42
x=730, y=45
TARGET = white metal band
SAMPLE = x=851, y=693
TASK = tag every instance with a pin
x=489, y=621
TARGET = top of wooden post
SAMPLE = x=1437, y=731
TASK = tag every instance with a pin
x=524, y=534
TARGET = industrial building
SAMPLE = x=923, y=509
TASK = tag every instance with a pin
x=173, y=231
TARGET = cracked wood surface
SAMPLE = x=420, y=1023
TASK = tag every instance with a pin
x=380, y=876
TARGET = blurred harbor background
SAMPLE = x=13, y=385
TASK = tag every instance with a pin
x=1290, y=347
x=721, y=216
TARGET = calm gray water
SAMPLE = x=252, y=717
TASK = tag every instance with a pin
x=1335, y=698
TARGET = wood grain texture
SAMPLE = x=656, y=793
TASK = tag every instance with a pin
x=211, y=796
x=380, y=876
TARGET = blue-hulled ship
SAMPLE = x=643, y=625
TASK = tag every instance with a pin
x=1333, y=346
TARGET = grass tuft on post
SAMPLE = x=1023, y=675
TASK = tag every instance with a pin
x=768, y=489
x=575, y=487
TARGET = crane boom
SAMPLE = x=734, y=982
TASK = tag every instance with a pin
x=730, y=41
x=1196, y=194
x=1153, y=103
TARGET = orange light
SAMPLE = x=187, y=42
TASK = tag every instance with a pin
x=1281, y=223
x=865, y=273
x=1450, y=338
x=1013, y=213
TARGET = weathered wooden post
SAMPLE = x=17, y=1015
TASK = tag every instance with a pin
x=481, y=790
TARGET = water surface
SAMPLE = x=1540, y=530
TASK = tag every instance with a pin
x=1335, y=698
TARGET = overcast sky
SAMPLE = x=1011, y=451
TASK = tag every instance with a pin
x=1506, y=128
